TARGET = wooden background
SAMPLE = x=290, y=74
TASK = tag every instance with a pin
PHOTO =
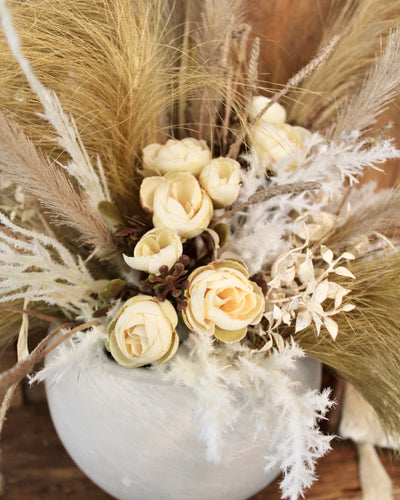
x=34, y=463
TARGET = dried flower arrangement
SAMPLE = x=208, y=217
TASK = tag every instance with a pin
x=155, y=202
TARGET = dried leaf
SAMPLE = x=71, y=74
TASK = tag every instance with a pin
x=343, y=271
x=326, y=254
x=321, y=292
x=347, y=255
x=332, y=327
x=303, y=320
x=110, y=211
x=112, y=290
x=348, y=307
x=305, y=271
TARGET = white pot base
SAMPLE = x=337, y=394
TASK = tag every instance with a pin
x=135, y=437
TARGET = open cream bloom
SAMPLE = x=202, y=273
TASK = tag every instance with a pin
x=221, y=179
x=272, y=138
x=189, y=155
x=222, y=301
x=177, y=202
x=158, y=247
x=143, y=332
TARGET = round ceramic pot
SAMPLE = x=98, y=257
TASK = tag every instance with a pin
x=134, y=435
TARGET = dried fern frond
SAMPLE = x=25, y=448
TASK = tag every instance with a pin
x=21, y=163
x=366, y=351
x=362, y=26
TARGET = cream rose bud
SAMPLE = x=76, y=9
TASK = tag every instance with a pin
x=274, y=114
x=158, y=247
x=143, y=332
x=221, y=179
x=222, y=301
x=189, y=155
x=178, y=203
x=275, y=142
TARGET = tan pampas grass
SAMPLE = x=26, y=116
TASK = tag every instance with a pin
x=21, y=163
x=107, y=63
x=362, y=26
x=114, y=67
x=366, y=350
x=381, y=85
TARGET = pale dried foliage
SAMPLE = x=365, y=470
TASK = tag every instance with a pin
x=366, y=351
x=362, y=26
x=21, y=163
x=303, y=290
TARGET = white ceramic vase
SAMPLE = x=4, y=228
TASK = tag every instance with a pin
x=135, y=437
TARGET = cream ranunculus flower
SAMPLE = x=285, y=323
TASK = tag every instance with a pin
x=221, y=179
x=274, y=114
x=272, y=138
x=143, y=332
x=177, y=202
x=158, y=247
x=189, y=155
x=274, y=141
x=222, y=301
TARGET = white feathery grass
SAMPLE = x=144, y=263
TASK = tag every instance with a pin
x=334, y=163
x=260, y=232
x=37, y=268
x=232, y=379
x=83, y=350
x=81, y=167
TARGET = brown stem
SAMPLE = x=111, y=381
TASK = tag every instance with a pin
x=28, y=312
x=6, y=404
x=24, y=367
x=268, y=193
